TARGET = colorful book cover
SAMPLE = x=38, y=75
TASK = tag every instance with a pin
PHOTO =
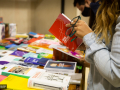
x=32, y=60
x=45, y=55
x=3, y=62
x=67, y=55
x=48, y=36
x=58, y=29
x=44, y=50
x=15, y=48
x=27, y=49
x=43, y=61
x=60, y=66
x=21, y=71
x=9, y=58
x=19, y=53
x=11, y=45
x=21, y=63
x=30, y=54
x=2, y=48
x=70, y=53
x=16, y=83
x=5, y=42
x=12, y=29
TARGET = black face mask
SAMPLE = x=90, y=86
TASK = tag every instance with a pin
x=86, y=12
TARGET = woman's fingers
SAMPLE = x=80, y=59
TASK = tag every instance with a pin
x=68, y=25
x=75, y=23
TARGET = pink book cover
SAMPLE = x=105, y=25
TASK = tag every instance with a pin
x=58, y=29
x=2, y=77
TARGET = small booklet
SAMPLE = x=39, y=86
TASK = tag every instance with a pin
x=58, y=29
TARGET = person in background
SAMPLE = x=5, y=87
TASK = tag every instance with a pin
x=102, y=46
x=87, y=8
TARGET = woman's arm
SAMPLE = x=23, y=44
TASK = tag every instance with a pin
x=107, y=63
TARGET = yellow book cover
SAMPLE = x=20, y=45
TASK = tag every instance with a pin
x=16, y=83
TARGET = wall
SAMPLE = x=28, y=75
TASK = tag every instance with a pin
x=17, y=11
x=35, y=15
x=46, y=11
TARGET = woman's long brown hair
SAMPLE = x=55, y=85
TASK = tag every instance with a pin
x=106, y=17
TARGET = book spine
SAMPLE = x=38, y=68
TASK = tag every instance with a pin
x=33, y=84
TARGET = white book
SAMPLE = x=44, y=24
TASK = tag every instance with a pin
x=49, y=81
x=5, y=52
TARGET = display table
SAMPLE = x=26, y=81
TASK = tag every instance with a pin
x=82, y=85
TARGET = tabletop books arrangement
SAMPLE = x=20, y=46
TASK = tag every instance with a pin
x=23, y=55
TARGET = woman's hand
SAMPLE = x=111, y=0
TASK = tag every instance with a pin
x=80, y=27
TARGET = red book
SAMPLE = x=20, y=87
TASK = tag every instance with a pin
x=58, y=29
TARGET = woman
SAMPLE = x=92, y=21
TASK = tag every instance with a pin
x=102, y=46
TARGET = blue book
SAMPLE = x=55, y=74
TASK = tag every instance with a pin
x=11, y=45
x=32, y=60
x=43, y=61
x=15, y=48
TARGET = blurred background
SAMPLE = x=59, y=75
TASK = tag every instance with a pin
x=36, y=15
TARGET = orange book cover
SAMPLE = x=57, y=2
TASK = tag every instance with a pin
x=58, y=29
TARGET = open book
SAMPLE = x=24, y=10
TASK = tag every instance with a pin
x=58, y=29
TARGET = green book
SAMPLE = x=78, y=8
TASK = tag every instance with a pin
x=2, y=48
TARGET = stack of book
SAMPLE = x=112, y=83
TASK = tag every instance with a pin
x=21, y=55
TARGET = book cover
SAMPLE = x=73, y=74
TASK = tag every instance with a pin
x=5, y=52
x=2, y=77
x=43, y=61
x=32, y=60
x=44, y=50
x=65, y=54
x=21, y=71
x=15, y=48
x=27, y=49
x=60, y=66
x=16, y=83
x=58, y=29
x=12, y=29
x=19, y=53
x=49, y=81
x=34, y=55
x=5, y=42
x=2, y=31
x=10, y=58
x=43, y=43
x=21, y=63
x=10, y=46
